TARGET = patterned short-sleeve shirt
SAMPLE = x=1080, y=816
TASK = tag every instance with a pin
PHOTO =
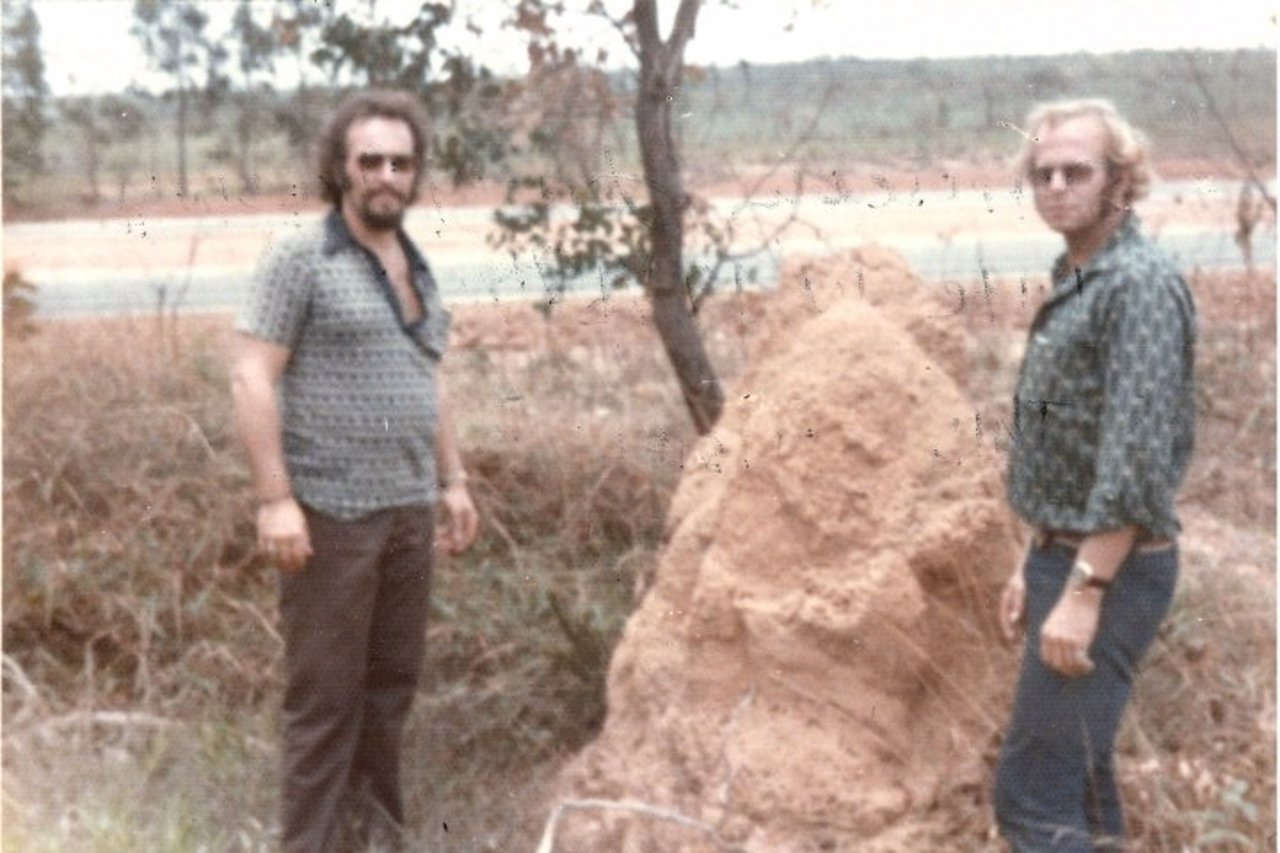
x=1104, y=412
x=358, y=396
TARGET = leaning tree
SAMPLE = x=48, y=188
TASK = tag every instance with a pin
x=612, y=231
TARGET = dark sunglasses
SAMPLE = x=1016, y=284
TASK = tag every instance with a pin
x=375, y=162
x=1073, y=174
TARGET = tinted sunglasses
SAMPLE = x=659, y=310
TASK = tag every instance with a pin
x=374, y=162
x=1073, y=174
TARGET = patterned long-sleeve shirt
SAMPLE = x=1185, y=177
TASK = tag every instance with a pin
x=1104, y=412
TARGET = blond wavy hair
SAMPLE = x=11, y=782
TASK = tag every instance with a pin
x=1127, y=148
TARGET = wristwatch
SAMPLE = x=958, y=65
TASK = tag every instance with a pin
x=1083, y=577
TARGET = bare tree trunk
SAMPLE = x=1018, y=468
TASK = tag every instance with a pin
x=661, y=67
x=246, y=127
x=92, y=142
x=182, y=138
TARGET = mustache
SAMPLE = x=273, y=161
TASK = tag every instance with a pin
x=346, y=185
x=404, y=197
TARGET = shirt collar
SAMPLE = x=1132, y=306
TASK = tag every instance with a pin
x=337, y=236
x=1104, y=260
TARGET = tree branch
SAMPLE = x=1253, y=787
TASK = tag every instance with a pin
x=619, y=24
x=1212, y=103
x=723, y=255
x=683, y=29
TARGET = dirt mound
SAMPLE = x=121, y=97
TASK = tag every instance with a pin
x=814, y=667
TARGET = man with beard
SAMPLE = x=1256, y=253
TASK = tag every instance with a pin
x=343, y=413
x=1104, y=422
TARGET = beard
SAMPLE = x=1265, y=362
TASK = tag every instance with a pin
x=374, y=218
x=382, y=219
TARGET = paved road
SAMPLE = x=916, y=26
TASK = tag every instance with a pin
x=134, y=266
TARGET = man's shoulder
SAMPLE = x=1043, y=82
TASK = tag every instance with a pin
x=1139, y=253
x=305, y=240
x=285, y=271
x=1141, y=269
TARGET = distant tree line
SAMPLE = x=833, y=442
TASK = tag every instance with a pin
x=25, y=96
x=224, y=124
x=222, y=97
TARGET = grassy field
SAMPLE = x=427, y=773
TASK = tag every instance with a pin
x=141, y=666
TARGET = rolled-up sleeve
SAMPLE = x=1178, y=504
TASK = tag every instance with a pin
x=1147, y=420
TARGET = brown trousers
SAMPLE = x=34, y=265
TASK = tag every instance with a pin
x=354, y=624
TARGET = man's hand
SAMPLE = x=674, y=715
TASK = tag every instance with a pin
x=1069, y=631
x=1013, y=605
x=283, y=534
x=457, y=529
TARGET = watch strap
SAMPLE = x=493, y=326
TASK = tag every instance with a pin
x=1083, y=576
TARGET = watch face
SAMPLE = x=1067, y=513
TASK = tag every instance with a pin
x=1080, y=576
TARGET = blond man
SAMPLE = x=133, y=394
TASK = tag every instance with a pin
x=1104, y=423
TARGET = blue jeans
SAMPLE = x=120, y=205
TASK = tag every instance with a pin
x=1055, y=784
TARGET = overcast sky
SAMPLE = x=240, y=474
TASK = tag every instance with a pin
x=88, y=47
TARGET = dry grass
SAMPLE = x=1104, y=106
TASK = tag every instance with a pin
x=141, y=658
x=132, y=587
x=129, y=578
x=136, y=619
x=1202, y=738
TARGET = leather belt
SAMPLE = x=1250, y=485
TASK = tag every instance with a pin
x=1045, y=538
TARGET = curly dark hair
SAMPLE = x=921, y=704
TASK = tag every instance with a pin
x=374, y=103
